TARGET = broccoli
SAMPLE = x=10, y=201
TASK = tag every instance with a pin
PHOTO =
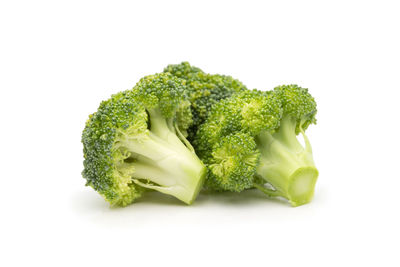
x=134, y=142
x=204, y=89
x=250, y=140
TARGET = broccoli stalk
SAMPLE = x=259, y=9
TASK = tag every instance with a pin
x=286, y=164
x=162, y=162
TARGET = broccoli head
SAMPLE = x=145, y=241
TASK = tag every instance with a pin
x=134, y=142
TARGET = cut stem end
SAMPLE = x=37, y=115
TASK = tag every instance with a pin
x=302, y=184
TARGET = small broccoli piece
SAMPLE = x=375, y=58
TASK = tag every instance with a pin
x=233, y=163
x=254, y=134
x=237, y=119
x=284, y=162
x=134, y=143
x=204, y=89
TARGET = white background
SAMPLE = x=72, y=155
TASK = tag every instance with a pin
x=59, y=59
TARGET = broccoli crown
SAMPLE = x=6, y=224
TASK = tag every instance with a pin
x=131, y=143
x=205, y=90
x=103, y=160
x=298, y=104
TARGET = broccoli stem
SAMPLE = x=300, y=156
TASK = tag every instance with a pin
x=163, y=127
x=286, y=164
x=162, y=159
x=178, y=179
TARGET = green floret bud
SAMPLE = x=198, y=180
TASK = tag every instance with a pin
x=259, y=111
x=232, y=164
x=298, y=104
x=134, y=143
x=184, y=70
x=168, y=94
x=163, y=91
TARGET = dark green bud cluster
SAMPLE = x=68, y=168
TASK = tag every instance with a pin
x=204, y=90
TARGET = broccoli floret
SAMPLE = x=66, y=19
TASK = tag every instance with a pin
x=250, y=140
x=204, y=89
x=134, y=142
x=233, y=163
x=234, y=122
